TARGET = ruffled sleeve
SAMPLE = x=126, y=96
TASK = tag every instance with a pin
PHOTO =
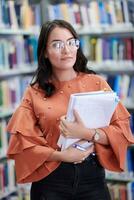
x=27, y=146
x=119, y=134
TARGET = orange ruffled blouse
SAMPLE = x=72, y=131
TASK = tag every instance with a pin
x=34, y=129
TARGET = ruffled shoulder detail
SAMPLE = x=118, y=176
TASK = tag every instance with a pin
x=27, y=145
x=24, y=127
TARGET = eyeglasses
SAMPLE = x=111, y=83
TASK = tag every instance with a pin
x=72, y=44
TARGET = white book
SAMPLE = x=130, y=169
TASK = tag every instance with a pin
x=95, y=109
x=124, y=87
x=1, y=16
x=93, y=13
x=11, y=175
x=125, y=11
x=112, y=12
x=12, y=13
x=84, y=15
x=51, y=13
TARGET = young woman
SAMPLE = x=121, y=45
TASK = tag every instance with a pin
x=38, y=121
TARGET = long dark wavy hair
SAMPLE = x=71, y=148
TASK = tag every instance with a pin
x=44, y=72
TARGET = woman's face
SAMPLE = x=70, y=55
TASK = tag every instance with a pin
x=61, y=49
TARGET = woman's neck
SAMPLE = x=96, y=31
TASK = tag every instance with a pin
x=64, y=75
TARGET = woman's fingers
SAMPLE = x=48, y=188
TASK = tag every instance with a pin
x=64, y=131
x=63, y=122
x=63, y=118
x=62, y=127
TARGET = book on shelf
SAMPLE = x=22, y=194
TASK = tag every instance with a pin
x=118, y=11
x=103, y=12
x=130, y=191
x=129, y=43
x=65, y=13
x=84, y=43
x=98, y=49
x=98, y=105
x=84, y=15
x=125, y=11
x=130, y=6
x=93, y=10
x=12, y=15
x=3, y=138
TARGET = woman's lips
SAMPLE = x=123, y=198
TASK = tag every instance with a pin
x=66, y=58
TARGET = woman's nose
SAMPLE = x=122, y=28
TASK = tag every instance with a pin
x=65, y=49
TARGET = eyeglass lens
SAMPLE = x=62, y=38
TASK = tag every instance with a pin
x=71, y=44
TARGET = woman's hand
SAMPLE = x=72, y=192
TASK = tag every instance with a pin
x=74, y=129
x=72, y=154
x=75, y=155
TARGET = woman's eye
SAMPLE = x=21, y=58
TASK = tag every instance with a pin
x=56, y=45
x=71, y=43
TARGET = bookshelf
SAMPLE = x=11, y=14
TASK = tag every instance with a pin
x=113, y=20
x=19, y=28
x=106, y=31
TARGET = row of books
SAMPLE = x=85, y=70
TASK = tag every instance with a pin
x=10, y=95
x=19, y=14
x=123, y=85
x=107, y=48
x=17, y=51
x=120, y=191
x=7, y=177
x=93, y=13
x=11, y=91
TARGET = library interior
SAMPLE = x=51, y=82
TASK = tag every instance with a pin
x=106, y=34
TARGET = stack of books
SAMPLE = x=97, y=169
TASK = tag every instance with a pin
x=94, y=108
